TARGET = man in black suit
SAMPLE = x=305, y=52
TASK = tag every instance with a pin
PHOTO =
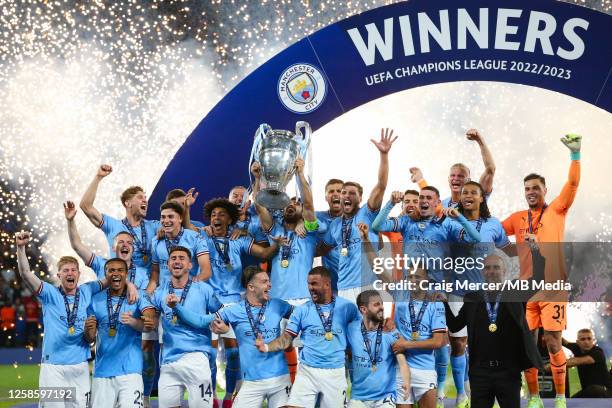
x=501, y=345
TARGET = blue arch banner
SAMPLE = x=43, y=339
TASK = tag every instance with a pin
x=547, y=44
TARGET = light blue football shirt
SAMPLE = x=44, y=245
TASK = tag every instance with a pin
x=292, y=282
x=120, y=354
x=253, y=227
x=190, y=240
x=112, y=226
x=429, y=238
x=59, y=346
x=492, y=235
x=433, y=321
x=353, y=272
x=254, y=364
x=330, y=261
x=226, y=283
x=368, y=385
x=317, y=351
x=181, y=338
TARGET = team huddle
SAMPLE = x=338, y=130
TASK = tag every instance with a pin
x=283, y=299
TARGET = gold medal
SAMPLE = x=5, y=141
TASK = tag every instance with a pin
x=112, y=332
x=415, y=335
x=492, y=327
x=145, y=258
x=285, y=263
x=71, y=330
x=329, y=336
x=174, y=319
x=344, y=251
x=229, y=267
x=373, y=368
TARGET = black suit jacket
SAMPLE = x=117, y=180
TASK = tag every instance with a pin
x=527, y=356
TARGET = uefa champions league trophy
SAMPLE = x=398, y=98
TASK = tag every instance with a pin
x=277, y=151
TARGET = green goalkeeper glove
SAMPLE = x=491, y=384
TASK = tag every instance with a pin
x=573, y=142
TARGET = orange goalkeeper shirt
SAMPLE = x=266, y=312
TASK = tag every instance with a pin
x=550, y=228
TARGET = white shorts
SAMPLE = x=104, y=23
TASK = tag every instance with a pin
x=119, y=392
x=350, y=294
x=455, y=303
x=421, y=381
x=297, y=341
x=387, y=402
x=67, y=376
x=297, y=302
x=310, y=381
x=190, y=372
x=230, y=334
x=253, y=393
x=152, y=335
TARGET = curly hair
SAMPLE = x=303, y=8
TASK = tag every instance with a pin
x=224, y=203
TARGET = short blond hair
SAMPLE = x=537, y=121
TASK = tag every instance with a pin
x=67, y=260
x=461, y=166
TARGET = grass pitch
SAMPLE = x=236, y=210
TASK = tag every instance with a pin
x=25, y=377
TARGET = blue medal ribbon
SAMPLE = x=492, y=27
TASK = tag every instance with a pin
x=479, y=222
x=492, y=311
x=346, y=231
x=415, y=322
x=537, y=224
x=366, y=340
x=113, y=316
x=286, y=249
x=132, y=270
x=255, y=323
x=141, y=244
x=183, y=296
x=222, y=248
x=71, y=315
x=172, y=243
x=327, y=323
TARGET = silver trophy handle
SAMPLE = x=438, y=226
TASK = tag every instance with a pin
x=306, y=126
x=261, y=132
x=304, y=139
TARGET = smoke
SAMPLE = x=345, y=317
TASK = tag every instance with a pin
x=63, y=124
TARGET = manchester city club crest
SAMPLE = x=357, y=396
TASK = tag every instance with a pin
x=302, y=88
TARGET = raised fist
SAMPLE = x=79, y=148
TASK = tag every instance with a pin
x=416, y=174
x=104, y=170
x=299, y=165
x=397, y=197
x=256, y=169
x=363, y=230
x=172, y=300
x=22, y=238
x=473, y=135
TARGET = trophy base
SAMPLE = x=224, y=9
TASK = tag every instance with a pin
x=272, y=199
